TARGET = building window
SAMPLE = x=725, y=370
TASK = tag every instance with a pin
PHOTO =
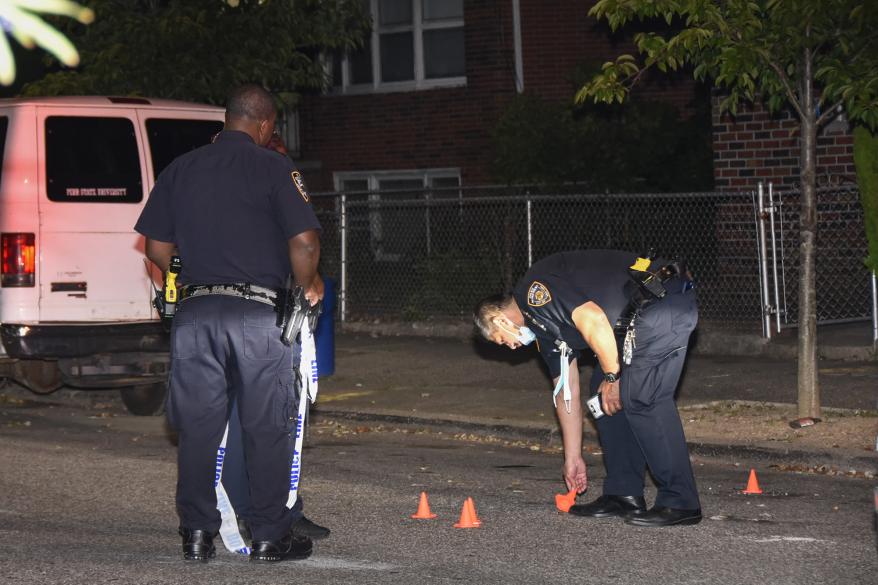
x=390, y=226
x=414, y=44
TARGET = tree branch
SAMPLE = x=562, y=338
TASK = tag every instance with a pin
x=791, y=95
x=829, y=113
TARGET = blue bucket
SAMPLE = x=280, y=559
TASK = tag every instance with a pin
x=324, y=337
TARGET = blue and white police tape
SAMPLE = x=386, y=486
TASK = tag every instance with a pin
x=229, y=532
x=563, y=378
x=308, y=375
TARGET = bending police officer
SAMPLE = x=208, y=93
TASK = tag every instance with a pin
x=241, y=223
x=572, y=301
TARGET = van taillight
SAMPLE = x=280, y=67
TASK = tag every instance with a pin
x=19, y=259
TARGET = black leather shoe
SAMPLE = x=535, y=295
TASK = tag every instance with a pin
x=197, y=545
x=661, y=516
x=243, y=528
x=304, y=527
x=608, y=506
x=289, y=548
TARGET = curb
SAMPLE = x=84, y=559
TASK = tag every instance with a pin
x=551, y=436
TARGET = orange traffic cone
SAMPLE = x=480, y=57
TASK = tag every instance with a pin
x=423, y=512
x=564, y=501
x=466, y=518
x=752, y=484
x=472, y=510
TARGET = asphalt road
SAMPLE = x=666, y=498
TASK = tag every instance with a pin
x=86, y=497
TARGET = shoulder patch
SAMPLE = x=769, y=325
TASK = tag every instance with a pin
x=299, y=182
x=538, y=295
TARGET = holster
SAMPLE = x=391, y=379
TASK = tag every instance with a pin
x=644, y=288
x=293, y=311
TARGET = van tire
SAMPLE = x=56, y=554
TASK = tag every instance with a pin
x=145, y=399
x=38, y=376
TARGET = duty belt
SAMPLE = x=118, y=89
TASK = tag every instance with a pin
x=638, y=298
x=251, y=292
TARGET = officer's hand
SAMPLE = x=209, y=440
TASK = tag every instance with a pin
x=611, y=400
x=575, y=474
x=314, y=293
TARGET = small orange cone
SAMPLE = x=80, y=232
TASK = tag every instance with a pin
x=564, y=501
x=472, y=510
x=423, y=512
x=752, y=484
x=466, y=518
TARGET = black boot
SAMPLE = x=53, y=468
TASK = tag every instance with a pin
x=197, y=545
x=662, y=516
x=289, y=548
x=304, y=527
x=608, y=506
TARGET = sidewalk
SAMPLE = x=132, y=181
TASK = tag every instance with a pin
x=731, y=406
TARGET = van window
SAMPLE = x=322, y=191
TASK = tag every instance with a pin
x=170, y=138
x=4, y=125
x=91, y=160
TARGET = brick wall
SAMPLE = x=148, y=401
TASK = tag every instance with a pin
x=451, y=127
x=424, y=129
x=558, y=37
x=757, y=146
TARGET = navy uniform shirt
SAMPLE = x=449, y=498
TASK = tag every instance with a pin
x=556, y=285
x=230, y=207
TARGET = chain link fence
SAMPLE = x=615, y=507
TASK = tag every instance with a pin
x=432, y=254
x=843, y=281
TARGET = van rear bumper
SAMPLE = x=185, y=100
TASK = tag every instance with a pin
x=70, y=340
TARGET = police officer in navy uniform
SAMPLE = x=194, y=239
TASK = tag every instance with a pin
x=570, y=302
x=239, y=218
x=234, y=472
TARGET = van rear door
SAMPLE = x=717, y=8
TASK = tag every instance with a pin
x=92, y=189
x=171, y=133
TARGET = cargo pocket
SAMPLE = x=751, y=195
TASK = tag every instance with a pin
x=286, y=411
x=640, y=388
x=261, y=334
x=184, y=338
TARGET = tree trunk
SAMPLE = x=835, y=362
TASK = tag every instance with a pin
x=809, y=389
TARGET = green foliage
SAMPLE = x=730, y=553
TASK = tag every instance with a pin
x=866, y=160
x=199, y=49
x=755, y=50
x=446, y=284
x=634, y=147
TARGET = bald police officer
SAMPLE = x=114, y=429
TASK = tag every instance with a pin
x=572, y=301
x=240, y=219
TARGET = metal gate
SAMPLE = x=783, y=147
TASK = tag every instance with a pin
x=846, y=290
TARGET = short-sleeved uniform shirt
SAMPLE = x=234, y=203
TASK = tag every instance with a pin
x=555, y=286
x=230, y=207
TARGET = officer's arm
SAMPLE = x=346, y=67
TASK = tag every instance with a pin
x=304, y=251
x=160, y=253
x=571, y=434
x=593, y=325
x=595, y=328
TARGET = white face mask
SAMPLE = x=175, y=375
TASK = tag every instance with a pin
x=525, y=336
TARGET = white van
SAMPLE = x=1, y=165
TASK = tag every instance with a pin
x=76, y=293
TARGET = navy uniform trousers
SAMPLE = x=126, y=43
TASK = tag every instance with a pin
x=235, y=479
x=648, y=432
x=226, y=349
